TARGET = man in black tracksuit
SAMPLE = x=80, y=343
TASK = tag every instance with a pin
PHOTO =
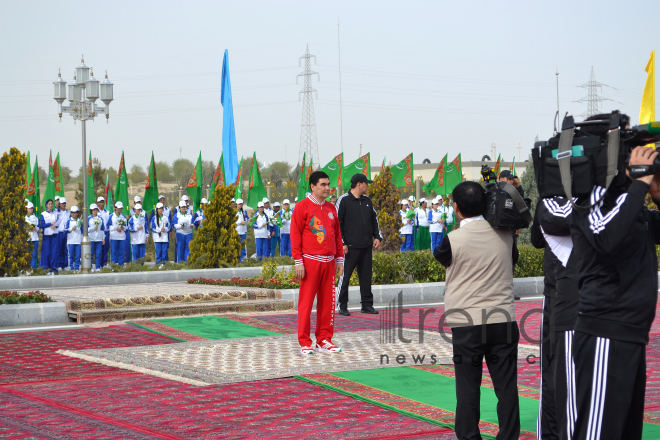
x=360, y=234
x=554, y=215
x=614, y=243
x=546, y=424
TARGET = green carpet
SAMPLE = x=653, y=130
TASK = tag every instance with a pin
x=437, y=390
x=216, y=327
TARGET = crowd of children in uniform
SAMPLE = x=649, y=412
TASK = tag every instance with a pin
x=423, y=227
x=125, y=238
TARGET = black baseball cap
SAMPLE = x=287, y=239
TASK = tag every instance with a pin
x=506, y=173
x=360, y=178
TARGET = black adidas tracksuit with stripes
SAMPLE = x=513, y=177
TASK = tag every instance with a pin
x=546, y=424
x=614, y=243
x=554, y=216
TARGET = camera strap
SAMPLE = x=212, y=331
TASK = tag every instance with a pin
x=520, y=203
x=564, y=158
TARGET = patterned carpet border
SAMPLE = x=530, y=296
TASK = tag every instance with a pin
x=402, y=405
x=258, y=323
x=281, y=409
x=166, y=330
x=486, y=381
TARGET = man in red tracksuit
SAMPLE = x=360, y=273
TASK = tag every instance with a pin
x=318, y=253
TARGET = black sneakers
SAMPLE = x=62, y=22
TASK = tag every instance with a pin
x=343, y=310
x=369, y=309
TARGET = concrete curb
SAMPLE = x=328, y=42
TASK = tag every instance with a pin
x=426, y=292
x=35, y=313
x=103, y=279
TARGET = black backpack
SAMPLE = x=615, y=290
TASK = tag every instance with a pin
x=506, y=208
x=590, y=152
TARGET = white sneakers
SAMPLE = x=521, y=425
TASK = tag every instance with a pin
x=326, y=347
x=323, y=346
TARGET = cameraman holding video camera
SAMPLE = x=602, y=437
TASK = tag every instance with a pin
x=614, y=242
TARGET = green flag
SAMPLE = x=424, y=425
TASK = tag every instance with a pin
x=91, y=194
x=121, y=188
x=219, y=176
x=57, y=174
x=382, y=167
x=497, y=167
x=238, y=185
x=194, y=188
x=333, y=169
x=512, y=167
x=28, y=175
x=50, y=192
x=437, y=184
x=151, y=189
x=454, y=174
x=302, y=185
x=109, y=200
x=256, y=190
x=36, y=192
x=362, y=165
x=402, y=173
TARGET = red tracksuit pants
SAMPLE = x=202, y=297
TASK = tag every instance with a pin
x=319, y=283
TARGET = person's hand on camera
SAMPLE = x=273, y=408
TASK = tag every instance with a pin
x=643, y=156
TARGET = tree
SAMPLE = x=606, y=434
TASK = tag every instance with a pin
x=528, y=183
x=208, y=170
x=182, y=169
x=112, y=177
x=217, y=241
x=137, y=174
x=281, y=168
x=99, y=182
x=15, y=256
x=164, y=171
x=65, y=175
x=275, y=179
x=43, y=175
x=385, y=198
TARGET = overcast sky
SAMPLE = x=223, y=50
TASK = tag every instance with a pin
x=429, y=77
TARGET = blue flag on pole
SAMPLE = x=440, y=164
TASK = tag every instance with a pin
x=230, y=155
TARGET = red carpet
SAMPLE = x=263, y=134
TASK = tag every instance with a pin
x=141, y=406
x=31, y=356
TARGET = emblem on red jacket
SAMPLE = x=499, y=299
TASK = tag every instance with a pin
x=317, y=229
x=331, y=215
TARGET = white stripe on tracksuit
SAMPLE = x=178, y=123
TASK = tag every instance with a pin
x=598, y=388
x=571, y=399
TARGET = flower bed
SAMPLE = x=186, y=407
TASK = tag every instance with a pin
x=259, y=282
x=7, y=297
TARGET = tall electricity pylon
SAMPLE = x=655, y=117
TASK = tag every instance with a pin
x=308, y=143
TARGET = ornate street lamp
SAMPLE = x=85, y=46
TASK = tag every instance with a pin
x=83, y=93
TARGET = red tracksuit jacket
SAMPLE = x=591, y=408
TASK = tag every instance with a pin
x=315, y=231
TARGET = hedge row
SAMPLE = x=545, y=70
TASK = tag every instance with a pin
x=388, y=268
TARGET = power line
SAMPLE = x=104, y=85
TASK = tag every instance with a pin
x=592, y=99
x=308, y=142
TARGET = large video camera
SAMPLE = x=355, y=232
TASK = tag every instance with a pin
x=488, y=174
x=594, y=152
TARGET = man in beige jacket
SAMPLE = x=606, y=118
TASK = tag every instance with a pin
x=479, y=308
